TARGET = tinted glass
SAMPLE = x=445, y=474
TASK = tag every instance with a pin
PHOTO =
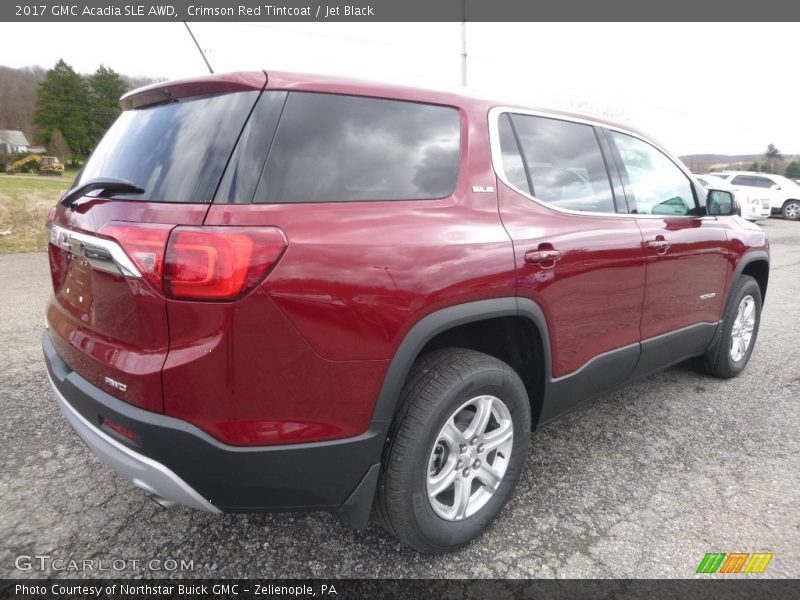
x=659, y=187
x=703, y=182
x=565, y=164
x=331, y=148
x=241, y=177
x=512, y=160
x=752, y=181
x=175, y=151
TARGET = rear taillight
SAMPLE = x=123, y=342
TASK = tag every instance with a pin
x=200, y=263
x=145, y=244
x=219, y=263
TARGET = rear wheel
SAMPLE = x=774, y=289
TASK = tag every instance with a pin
x=791, y=210
x=455, y=451
x=730, y=354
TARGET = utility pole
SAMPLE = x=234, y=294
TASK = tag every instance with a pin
x=199, y=49
x=463, y=43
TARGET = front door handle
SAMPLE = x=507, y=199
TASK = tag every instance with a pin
x=534, y=257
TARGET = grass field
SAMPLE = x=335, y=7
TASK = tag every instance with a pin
x=25, y=201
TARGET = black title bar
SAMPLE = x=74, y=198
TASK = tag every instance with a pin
x=399, y=10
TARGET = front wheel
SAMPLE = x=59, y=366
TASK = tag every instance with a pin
x=455, y=451
x=791, y=210
x=729, y=356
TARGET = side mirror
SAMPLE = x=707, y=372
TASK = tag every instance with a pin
x=721, y=203
x=774, y=186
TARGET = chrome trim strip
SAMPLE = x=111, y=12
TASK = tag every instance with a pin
x=145, y=473
x=103, y=254
x=497, y=158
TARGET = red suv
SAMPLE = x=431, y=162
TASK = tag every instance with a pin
x=283, y=292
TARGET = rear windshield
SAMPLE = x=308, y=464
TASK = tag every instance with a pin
x=338, y=148
x=176, y=152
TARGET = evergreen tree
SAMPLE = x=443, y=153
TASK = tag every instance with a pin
x=105, y=88
x=772, y=157
x=62, y=105
x=793, y=170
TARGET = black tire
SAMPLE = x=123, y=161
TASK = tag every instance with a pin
x=791, y=210
x=439, y=383
x=718, y=361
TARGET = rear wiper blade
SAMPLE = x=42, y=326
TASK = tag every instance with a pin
x=109, y=185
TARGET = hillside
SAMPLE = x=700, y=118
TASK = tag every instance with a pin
x=703, y=163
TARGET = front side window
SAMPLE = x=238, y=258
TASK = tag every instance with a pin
x=658, y=186
x=562, y=160
x=338, y=148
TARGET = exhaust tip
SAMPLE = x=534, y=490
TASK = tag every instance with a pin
x=151, y=493
x=162, y=502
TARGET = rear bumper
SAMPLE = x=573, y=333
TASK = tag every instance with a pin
x=755, y=212
x=181, y=464
x=151, y=476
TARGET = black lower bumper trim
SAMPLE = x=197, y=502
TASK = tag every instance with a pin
x=337, y=475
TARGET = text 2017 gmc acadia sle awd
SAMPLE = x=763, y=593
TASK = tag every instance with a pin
x=283, y=292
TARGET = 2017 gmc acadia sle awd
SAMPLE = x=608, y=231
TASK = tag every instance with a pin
x=285, y=292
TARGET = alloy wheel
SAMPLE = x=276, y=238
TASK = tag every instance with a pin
x=469, y=458
x=743, y=325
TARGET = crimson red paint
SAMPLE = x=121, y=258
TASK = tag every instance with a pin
x=276, y=323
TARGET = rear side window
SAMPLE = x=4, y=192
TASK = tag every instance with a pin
x=513, y=168
x=752, y=181
x=337, y=148
x=175, y=151
x=562, y=160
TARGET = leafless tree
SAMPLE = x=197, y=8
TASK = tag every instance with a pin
x=604, y=110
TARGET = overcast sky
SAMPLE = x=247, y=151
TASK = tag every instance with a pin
x=724, y=88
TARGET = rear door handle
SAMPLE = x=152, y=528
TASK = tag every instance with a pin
x=534, y=257
x=660, y=246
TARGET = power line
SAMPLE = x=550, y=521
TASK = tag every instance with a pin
x=463, y=43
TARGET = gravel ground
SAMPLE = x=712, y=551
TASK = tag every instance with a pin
x=639, y=483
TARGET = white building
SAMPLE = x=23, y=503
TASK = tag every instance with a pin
x=13, y=141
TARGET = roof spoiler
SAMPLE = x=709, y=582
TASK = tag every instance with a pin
x=172, y=91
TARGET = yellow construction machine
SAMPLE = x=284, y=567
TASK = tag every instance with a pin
x=44, y=165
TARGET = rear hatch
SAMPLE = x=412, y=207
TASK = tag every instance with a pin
x=157, y=168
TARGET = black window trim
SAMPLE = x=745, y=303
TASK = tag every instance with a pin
x=521, y=150
x=497, y=160
x=233, y=155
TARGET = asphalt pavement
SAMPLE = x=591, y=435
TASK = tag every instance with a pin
x=638, y=483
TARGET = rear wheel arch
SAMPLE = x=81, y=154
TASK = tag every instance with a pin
x=482, y=326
